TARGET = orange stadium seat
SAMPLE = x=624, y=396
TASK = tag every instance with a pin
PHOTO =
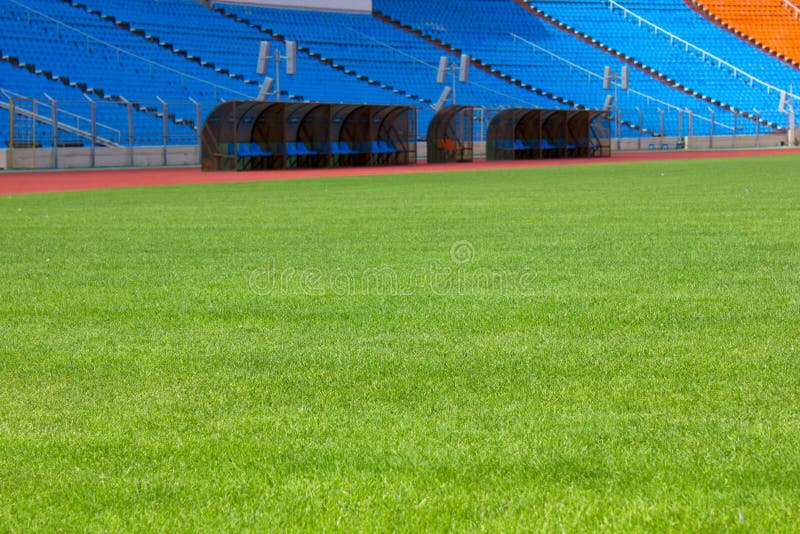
x=773, y=24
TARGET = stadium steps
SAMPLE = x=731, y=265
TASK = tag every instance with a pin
x=60, y=126
x=744, y=34
x=633, y=62
x=486, y=67
x=126, y=26
x=320, y=58
x=92, y=91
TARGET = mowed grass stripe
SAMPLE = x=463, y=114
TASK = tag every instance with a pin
x=597, y=347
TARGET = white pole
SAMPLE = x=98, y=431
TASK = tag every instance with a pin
x=277, y=75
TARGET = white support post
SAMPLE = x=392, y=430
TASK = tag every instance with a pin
x=131, y=133
x=54, y=122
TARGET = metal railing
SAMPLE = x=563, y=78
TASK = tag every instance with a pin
x=75, y=133
x=433, y=68
x=593, y=75
x=146, y=134
x=789, y=5
x=48, y=113
x=704, y=54
x=86, y=122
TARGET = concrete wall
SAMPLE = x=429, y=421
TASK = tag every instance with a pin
x=154, y=156
x=699, y=143
x=358, y=6
x=78, y=158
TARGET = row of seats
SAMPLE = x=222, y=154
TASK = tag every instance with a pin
x=361, y=58
x=299, y=148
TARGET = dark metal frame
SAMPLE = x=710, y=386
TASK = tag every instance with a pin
x=523, y=133
x=450, y=135
x=252, y=135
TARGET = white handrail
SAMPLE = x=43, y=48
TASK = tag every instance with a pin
x=115, y=132
x=689, y=46
x=59, y=125
x=600, y=77
x=787, y=4
x=130, y=54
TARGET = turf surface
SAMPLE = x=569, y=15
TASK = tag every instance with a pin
x=611, y=347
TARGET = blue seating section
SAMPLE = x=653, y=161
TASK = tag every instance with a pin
x=486, y=28
x=74, y=111
x=621, y=30
x=212, y=38
x=249, y=150
x=95, y=55
x=386, y=56
x=171, y=51
x=178, y=52
x=342, y=149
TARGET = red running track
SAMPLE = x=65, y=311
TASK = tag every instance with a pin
x=17, y=182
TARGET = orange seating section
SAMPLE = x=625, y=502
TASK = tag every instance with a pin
x=772, y=24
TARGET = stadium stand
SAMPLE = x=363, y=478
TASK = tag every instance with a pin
x=73, y=111
x=118, y=61
x=193, y=32
x=533, y=57
x=682, y=45
x=150, y=70
x=384, y=55
x=370, y=54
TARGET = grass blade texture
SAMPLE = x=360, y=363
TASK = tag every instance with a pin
x=600, y=347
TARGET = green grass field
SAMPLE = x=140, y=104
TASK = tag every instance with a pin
x=604, y=347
